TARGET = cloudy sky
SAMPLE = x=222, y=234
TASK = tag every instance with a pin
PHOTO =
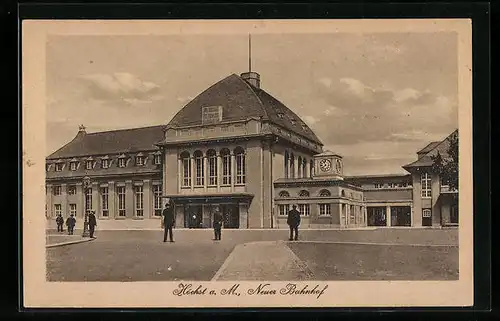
x=374, y=98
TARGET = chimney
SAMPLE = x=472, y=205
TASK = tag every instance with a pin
x=81, y=129
x=252, y=78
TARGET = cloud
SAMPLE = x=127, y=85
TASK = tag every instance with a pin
x=185, y=99
x=310, y=120
x=120, y=86
x=357, y=112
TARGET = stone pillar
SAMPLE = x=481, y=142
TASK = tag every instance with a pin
x=64, y=200
x=388, y=216
x=233, y=171
x=341, y=215
x=80, y=200
x=243, y=216
x=48, y=200
x=129, y=199
x=205, y=172
x=193, y=179
x=95, y=198
x=179, y=177
x=147, y=199
x=112, y=200
x=179, y=216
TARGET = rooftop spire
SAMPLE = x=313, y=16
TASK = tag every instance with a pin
x=250, y=76
x=249, y=52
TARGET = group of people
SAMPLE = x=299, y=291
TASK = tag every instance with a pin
x=71, y=223
x=168, y=222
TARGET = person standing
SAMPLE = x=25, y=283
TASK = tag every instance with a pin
x=92, y=223
x=293, y=222
x=70, y=223
x=217, y=224
x=168, y=221
x=59, y=222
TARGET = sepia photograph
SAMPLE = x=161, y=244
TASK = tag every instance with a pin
x=255, y=162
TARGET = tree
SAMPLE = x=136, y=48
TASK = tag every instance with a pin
x=448, y=167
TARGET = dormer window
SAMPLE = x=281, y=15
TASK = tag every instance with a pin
x=105, y=163
x=59, y=167
x=47, y=167
x=139, y=160
x=157, y=159
x=121, y=162
x=89, y=164
x=73, y=166
x=293, y=121
x=281, y=115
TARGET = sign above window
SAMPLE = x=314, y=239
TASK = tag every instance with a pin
x=211, y=114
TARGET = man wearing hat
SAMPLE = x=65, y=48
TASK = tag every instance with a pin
x=70, y=223
x=168, y=220
x=92, y=223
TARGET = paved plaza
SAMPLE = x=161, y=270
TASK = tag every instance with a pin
x=381, y=254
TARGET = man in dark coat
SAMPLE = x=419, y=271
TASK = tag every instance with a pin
x=59, y=222
x=293, y=221
x=168, y=221
x=217, y=224
x=70, y=223
x=92, y=223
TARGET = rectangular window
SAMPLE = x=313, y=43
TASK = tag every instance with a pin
x=139, y=201
x=325, y=210
x=73, y=166
x=226, y=169
x=426, y=213
x=304, y=209
x=88, y=199
x=72, y=209
x=157, y=159
x=105, y=163
x=157, y=199
x=212, y=170
x=240, y=168
x=390, y=185
x=139, y=160
x=89, y=164
x=200, y=173
x=284, y=209
x=56, y=190
x=120, y=190
x=71, y=189
x=59, y=167
x=425, y=180
x=57, y=209
x=104, y=202
x=121, y=162
x=47, y=167
x=186, y=172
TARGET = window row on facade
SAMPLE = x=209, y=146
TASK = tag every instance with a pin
x=120, y=201
x=213, y=169
x=321, y=193
x=105, y=162
x=297, y=167
x=392, y=185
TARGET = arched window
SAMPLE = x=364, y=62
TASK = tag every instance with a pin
x=186, y=169
x=226, y=166
x=212, y=167
x=240, y=165
x=292, y=166
x=286, y=163
x=342, y=193
x=325, y=193
x=311, y=168
x=299, y=167
x=304, y=168
x=304, y=193
x=199, y=168
x=284, y=194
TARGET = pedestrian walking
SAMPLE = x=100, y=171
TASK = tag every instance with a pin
x=168, y=221
x=217, y=224
x=70, y=223
x=59, y=222
x=92, y=223
x=293, y=222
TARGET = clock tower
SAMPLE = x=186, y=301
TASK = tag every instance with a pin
x=328, y=165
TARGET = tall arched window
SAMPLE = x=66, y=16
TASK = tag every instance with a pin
x=212, y=167
x=304, y=193
x=286, y=163
x=240, y=165
x=311, y=168
x=186, y=169
x=325, y=193
x=226, y=166
x=284, y=194
x=342, y=193
x=199, y=168
x=292, y=166
x=304, y=168
x=299, y=167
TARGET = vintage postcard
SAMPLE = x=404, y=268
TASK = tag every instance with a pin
x=270, y=163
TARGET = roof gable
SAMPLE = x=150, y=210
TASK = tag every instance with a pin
x=111, y=142
x=425, y=158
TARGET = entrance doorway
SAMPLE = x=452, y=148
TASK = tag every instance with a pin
x=193, y=216
x=376, y=216
x=426, y=217
x=231, y=215
x=401, y=216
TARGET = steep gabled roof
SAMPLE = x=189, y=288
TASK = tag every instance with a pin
x=428, y=148
x=111, y=142
x=425, y=159
x=240, y=101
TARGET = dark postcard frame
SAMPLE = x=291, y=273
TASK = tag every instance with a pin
x=479, y=12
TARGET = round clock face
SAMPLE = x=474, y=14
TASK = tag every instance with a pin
x=325, y=165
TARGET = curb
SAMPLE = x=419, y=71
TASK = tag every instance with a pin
x=372, y=243
x=69, y=242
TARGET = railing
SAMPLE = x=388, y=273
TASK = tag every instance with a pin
x=446, y=189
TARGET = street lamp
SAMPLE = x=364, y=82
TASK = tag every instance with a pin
x=86, y=187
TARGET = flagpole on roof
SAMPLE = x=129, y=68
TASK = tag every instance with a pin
x=249, y=53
